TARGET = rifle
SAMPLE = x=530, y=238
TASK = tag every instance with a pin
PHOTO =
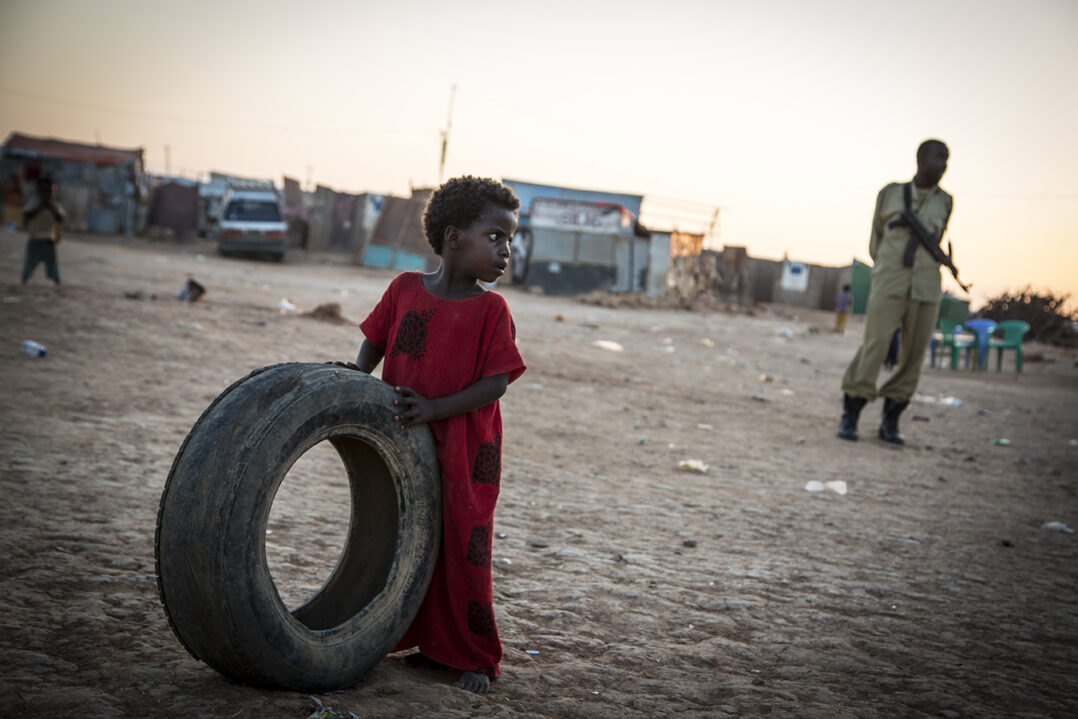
x=920, y=234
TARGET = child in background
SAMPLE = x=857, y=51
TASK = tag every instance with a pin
x=44, y=218
x=450, y=351
x=843, y=305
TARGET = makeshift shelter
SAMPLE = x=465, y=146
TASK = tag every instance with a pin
x=573, y=247
x=100, y=187
x=174, y=204
x=398, y=241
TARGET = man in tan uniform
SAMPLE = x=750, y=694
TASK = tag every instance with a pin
x=905, y=291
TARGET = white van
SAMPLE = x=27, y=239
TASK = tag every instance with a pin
x=252, y=221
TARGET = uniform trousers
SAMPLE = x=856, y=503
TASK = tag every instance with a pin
x=883, y=315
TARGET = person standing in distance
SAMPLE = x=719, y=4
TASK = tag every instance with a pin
x=905, y=291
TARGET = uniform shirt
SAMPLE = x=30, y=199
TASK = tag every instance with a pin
x=921, y=282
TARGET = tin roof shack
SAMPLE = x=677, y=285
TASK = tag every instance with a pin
x=341, y=221
x=295, y=212
x=795, y=283
x=734, y=277
x=528, y=192
x=635, y=267
x=574, y=247
x=398, y=241
x=174, y=208
x=100, y=187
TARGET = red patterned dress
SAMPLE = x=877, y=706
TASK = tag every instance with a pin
x=439, y=347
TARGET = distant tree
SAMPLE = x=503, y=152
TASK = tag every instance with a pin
x=1045, y=312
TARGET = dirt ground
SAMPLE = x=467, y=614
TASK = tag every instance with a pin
x=625, y=586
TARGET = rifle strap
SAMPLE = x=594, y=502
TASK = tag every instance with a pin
x=912, y=242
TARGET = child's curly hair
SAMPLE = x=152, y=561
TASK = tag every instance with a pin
x=460, y=202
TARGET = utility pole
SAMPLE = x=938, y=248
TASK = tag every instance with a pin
x=445, y=133
x=711, y=227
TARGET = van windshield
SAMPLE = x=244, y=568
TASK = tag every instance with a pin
x=253, y=211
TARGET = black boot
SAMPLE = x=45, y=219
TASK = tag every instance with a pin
x=851, y=412
x=889, y=427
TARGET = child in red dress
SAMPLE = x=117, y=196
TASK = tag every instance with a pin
x=450, y=351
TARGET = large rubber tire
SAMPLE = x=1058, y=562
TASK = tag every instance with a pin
x=210, y=550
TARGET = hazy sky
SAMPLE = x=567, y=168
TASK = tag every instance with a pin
x=789, y=115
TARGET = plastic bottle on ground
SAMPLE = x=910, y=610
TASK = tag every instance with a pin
x=33, y=348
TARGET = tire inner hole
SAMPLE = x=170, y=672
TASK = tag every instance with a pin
x=332, y=532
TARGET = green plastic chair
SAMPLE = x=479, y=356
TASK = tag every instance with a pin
x=949, y=329
x=1013, y=332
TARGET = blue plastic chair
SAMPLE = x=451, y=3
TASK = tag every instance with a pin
x=981, y=329
x=949, y=331
x=1013, y=332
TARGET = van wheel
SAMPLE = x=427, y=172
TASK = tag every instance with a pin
x=212, y=571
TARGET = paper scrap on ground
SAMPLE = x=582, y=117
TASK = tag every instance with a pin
x=837, y=486
x=693, y=465
x=608, y=345
x=1057, y=527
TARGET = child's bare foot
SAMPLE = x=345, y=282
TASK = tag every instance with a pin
x=474, y=682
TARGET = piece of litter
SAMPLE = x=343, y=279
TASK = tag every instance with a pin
x=929, y=399
x=786, y=332
x=787, y=392
x=766, y=378
x=707, y=342
x=501, y=535
x=609, y=345
x=269, y=531
x=704, y=426
x=65, y=551
x=1002, y=442
x=1050, y=526
x=191, y=291
x=693, y=465
x=837, y=486
x=533, y=652
x=286, y=305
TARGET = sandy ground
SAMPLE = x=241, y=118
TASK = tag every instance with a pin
x=625, y=586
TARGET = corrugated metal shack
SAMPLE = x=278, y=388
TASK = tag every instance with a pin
x=732, y=276
x=398, y=241
x=174, y=208
x=573, y=241
x=574, y=247
x=341, y=221
x=100, y=187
